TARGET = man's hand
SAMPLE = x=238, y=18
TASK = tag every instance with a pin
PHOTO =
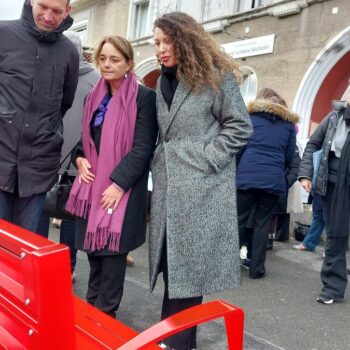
x=111, y=197
x=83, y=166
x=306, y=184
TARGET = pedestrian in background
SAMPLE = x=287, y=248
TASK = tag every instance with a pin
x=261, y=172
x=313, y=236
x=333, y=184
x=38, y=78
x=88, y=77
x=203, y=123
x=290, y=202
x=109, y=195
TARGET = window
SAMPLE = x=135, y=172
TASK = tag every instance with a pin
x=246, y=5
x=249, y=84
x=212, y=9
x=140, y=19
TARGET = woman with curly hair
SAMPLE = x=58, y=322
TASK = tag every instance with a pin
x=203, y=123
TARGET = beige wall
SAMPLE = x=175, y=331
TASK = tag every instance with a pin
x=105, y=17
x=299, y=39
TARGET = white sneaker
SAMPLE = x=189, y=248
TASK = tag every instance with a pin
x=243, y=252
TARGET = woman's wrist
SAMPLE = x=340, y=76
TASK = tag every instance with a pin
x=118, y=187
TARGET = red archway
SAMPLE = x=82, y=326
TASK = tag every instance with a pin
x=332, y=88
x=151, y=78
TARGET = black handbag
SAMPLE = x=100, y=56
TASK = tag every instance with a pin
x=56, y=199
x=300, y=231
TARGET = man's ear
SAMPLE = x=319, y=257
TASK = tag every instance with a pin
x=68, y=10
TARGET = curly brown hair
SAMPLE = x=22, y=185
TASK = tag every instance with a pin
x=199, y=57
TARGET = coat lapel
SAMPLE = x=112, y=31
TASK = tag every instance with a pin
x=181, y=93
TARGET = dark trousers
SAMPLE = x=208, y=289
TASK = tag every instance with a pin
x=187, y=339
x=264, y=204
x=21, y=211
x=106, y=282
x=282, y=227
x=67, y=235
x=333, y=272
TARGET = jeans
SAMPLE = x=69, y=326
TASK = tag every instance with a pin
x=67, y=235
x=312, y=239
x=21, y=211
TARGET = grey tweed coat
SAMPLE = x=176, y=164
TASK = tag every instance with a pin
x=194, y=192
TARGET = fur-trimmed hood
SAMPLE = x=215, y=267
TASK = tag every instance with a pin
x=265, y=106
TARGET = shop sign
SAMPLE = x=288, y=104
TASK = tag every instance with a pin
x=251, y=47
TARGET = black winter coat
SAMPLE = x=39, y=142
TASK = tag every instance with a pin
x=270, y=149
x=132, y=172
x=38, y=78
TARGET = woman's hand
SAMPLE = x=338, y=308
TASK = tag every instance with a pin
x=306, y=184
x=111, y=197
x=83, y=166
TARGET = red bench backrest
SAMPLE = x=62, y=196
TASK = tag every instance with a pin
x=36, y=299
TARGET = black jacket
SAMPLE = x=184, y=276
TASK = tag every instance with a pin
x=38, y=78
x=321, y=138
x=132, y=172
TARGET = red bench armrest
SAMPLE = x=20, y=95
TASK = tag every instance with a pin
x=234, y=320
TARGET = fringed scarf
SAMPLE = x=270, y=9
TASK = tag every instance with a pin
x=104, y=229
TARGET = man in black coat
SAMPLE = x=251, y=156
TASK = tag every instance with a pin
x=38, y=77
x=332, y=183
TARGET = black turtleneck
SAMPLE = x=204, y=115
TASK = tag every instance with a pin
x=168, y=83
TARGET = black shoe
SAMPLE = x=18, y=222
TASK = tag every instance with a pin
x=245, y=263
x=324, y=299
x=256, y=275
x=164, y=346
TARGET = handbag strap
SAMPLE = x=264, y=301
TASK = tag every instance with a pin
x=65, y=158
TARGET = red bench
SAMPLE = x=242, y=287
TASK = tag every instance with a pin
x=38, y=310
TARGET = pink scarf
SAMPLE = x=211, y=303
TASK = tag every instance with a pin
x=117, y=139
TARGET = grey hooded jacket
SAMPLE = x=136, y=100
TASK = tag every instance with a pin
x=321, y=139
x=72, y=122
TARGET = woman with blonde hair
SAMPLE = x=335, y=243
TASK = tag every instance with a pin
x=109, y=195
x=203, y=123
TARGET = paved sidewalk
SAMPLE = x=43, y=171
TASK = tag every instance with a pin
x=281, y=309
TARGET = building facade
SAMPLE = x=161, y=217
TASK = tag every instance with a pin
x=301, y=48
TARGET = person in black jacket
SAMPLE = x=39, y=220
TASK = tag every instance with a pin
x=261, y=172
x=38, y=77
x=333, y=185
x=109, y=195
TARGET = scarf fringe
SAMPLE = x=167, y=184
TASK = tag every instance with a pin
x=78, y=207
x=102, y=238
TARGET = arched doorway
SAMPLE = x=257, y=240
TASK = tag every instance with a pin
x=148, y=71
x=326, y=80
